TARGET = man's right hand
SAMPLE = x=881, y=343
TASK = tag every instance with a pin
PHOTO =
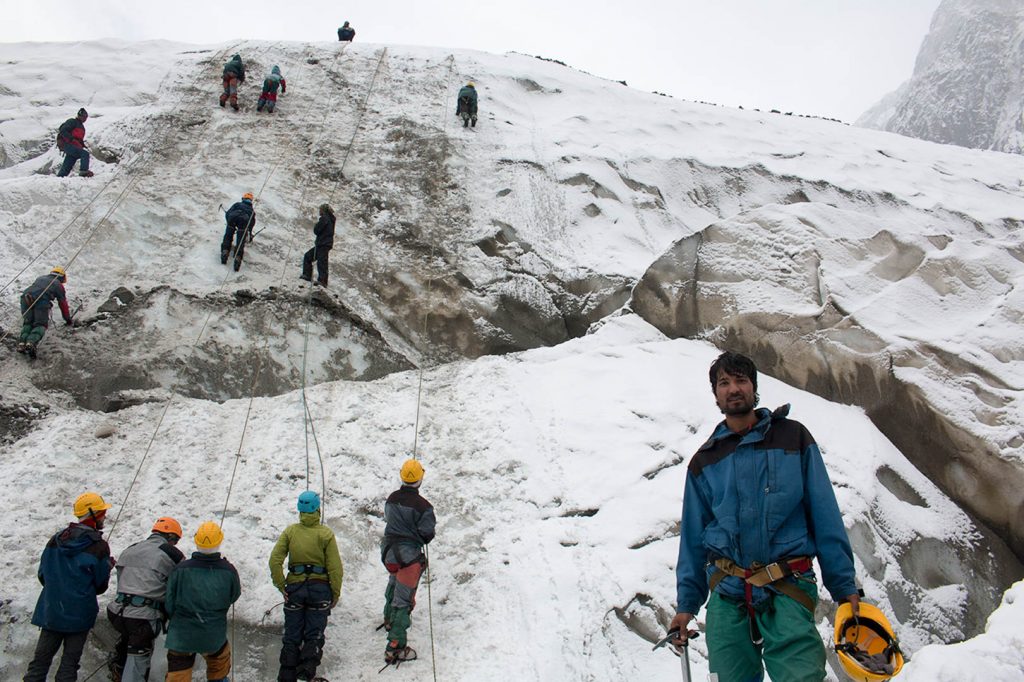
x=681, y=622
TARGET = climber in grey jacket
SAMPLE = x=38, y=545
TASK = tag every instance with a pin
x=137, y=613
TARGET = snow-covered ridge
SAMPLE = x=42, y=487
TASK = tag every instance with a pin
x=556, y=471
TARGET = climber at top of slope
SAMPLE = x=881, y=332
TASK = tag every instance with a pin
x=268, y=97
x=234, y=75
x=346, y=33
x=71, y=142
x=466, y=105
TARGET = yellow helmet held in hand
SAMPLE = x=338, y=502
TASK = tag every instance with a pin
x=412, y=471
x=208, y=536
x=89, y=503
x=866, y=645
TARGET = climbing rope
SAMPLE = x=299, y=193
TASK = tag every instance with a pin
x=419, y=389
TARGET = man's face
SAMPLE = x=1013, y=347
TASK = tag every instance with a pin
x=734, y=393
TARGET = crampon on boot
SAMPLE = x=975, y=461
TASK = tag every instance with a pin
x=397, y=655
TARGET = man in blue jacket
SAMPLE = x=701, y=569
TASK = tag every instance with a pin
x=74, y=568
x=757, y=508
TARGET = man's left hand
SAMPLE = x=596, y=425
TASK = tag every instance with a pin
x=854, y=600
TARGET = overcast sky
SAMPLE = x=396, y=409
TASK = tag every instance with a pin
x=826, y=57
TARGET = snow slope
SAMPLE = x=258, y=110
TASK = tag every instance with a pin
x=557, y=472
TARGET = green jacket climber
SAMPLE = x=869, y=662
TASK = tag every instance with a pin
x=308, y=542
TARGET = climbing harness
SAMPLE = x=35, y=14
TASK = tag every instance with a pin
x=758, y=575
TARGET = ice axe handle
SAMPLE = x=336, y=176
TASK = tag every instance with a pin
x=672, y=635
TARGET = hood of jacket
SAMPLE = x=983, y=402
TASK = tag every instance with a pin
x=76, y=538
x=310, y=519
x=276, y=70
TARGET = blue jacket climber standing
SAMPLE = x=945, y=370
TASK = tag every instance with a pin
x=74, y=568
x=758, y=506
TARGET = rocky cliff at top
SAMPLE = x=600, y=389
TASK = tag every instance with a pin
x=968, y=82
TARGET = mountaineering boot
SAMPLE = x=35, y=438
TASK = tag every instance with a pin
x=234, y=106
x=465, y=123
x=22, y=347
x=223, y=257
x=395, y=655
x=238, y=264
x=87, y=174
x=30, y=349
x=223, y=100
x=474, y=121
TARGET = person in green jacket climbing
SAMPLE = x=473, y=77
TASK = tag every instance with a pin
x=234, y=75
x=311, y=588
x=200, y=591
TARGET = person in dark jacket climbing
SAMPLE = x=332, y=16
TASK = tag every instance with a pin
x=71, y=142
x=311, y=588
x=758, y=506
x=268, y=97
x=240, y=219
x=36, y=303
x=74, y=568
x=137, y=613
x=466, y=105
x=234, y=75
x=324, y=233
x=346, y=33
x=200, y=591
x=410, y=524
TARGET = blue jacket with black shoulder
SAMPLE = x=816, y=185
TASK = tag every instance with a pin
x=760, y=497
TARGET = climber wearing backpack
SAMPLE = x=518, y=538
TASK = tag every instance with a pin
x=241, y=219
x=346, y=33
x=71, y=142
x=466, y=107
x=758, y=507
x=273, y=81
x=234, y=75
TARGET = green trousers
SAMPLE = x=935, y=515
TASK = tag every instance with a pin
x=792, y=649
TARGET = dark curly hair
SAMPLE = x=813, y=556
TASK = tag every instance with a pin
x=735, y=364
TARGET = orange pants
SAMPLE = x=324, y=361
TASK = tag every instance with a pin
x=179, y=665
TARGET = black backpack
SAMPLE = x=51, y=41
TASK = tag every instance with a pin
x=64, y=133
